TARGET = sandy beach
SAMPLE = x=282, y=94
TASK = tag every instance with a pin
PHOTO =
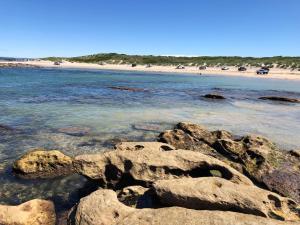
x=275, y=73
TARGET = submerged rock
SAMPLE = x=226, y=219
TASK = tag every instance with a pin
x=126, y=89
x=103, y=207
x=75, y=131
x=143, y=165
x=147, y=127
x=7, y=129
x=212, y=193
x=34, y=212
x=281, y=99
x=214, y=96
x=255, y=156
x=41, y=163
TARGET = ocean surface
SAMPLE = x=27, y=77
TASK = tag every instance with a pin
x=41, y=105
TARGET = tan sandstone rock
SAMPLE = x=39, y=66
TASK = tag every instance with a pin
x=34, y=212
x=213, y=193
x=41, y=163
x=255, y=156
x=103, y=208
x=144, y=166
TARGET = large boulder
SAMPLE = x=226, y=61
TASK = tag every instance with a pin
x=213, y=193
x=253, y=155
x=103, y=207
x=34, y=212
x=41, y=163
x=140, y=164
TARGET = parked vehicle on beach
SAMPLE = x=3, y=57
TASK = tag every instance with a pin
x=202, y=68
x=56, y=63
x=148, y=65
x=225, y=68
x=133, y=65
x=262, y=71
x=242, y=68
x=181, y=67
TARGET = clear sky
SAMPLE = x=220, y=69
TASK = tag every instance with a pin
x=38, y=28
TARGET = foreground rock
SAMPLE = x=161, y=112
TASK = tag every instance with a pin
x=255, y=156
x=214, y=96
x=34, y=212
x=143, y=165
x=212, y=193
x=133, y=196
x=280, y=99
x=41, y=163
x=103, y=207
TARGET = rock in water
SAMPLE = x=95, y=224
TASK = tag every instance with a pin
x=75, y=131
x=255, y=156
x=214, y=96
x=34, y=212
x=213, y=193
x=280, y=99
x=143, y=165
x=103, y=207
x=41, y=163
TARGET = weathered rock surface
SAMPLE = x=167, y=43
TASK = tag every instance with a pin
x=295, y=153
x=34, y=212
x=41, y=163
x=255, y=156
x=281, y=99
x=214, y=96
x=103, y=207
x=149, y=146
x=144, y=165
x=132, y=195
x=212, y=193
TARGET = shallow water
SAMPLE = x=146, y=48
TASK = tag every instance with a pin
x=38, y=102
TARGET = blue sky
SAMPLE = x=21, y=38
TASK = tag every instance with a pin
x=38, y=28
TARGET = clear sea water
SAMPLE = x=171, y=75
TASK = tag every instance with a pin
x=39, y=102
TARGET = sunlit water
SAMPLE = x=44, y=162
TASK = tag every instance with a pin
x=38, y=102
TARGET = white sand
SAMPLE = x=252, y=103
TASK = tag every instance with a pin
x=251, y=71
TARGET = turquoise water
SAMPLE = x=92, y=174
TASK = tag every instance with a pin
x=39, y=102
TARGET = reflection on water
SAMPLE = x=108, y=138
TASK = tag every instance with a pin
x=37, y=103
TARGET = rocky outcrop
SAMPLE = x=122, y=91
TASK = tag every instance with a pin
x=255, y=156
x=41, y=163
x=142, y=165
x=212, y=193
x=17, y=65
x=103, y=207
x=34, y=212
x=214, y=96
x=280, y=99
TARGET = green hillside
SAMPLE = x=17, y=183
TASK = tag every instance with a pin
x=114, y=58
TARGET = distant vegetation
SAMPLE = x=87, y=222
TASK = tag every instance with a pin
x=114, y=58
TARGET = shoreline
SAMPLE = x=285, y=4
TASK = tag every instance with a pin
x=275, y=73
